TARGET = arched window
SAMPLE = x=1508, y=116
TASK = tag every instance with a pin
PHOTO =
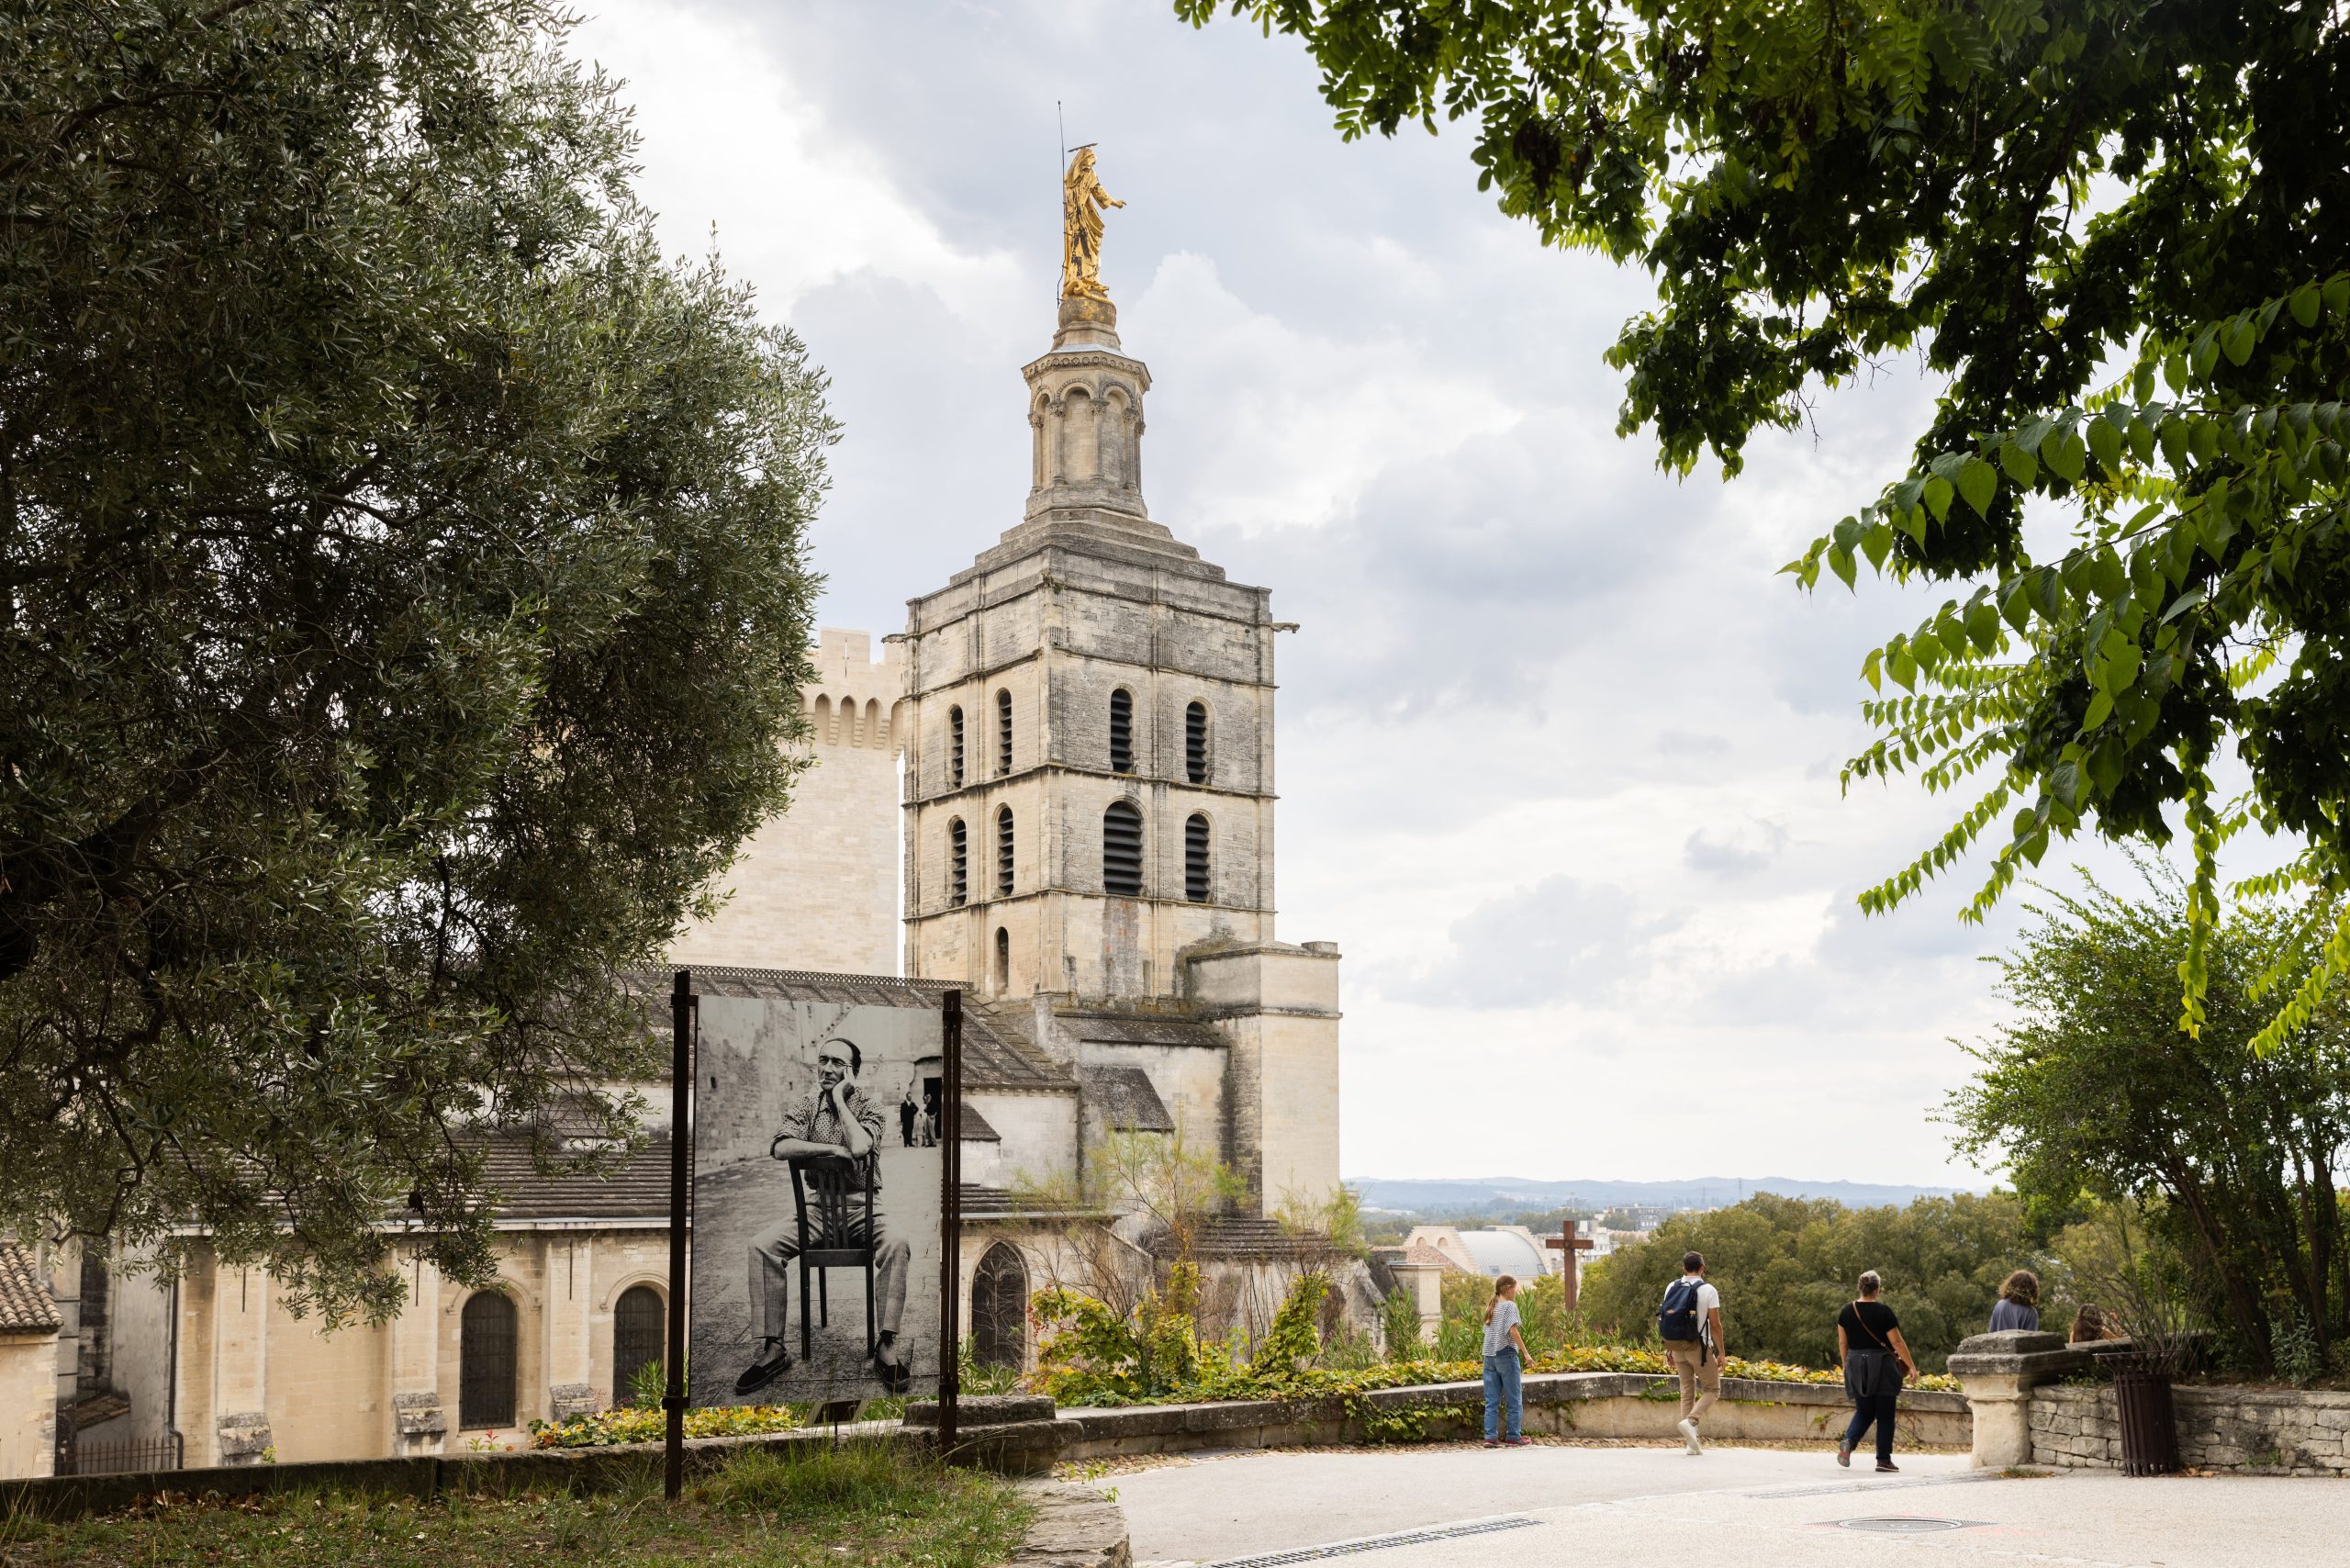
x=954, y=748
x=1122, y=850
x=959, y=863
x=639, y=1326
x=1195, y=742
x=1195, y=859
x=1004, y=852
x=485, y=1342
x=1002, y=732
x=999, y=1308
x=823, y=719
x=1121, y=731
x=1003, y=960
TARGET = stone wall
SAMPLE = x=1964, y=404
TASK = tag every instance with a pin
x=2306, y=1433
x=28, y=1403
x=816, y=888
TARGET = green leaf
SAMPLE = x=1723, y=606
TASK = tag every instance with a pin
x=2018, y=464
x=1938, y=493
x=2101, y=707
x=1978, y=482
x=1840, y=561
x=2064, y=454
x=2107, y=440
x=2305, y=305
x=2237, y=340
x=2017, y=606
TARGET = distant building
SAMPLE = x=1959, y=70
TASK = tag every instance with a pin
x=1493, y=1251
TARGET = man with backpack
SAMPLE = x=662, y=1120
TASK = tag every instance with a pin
x=1690, y=1324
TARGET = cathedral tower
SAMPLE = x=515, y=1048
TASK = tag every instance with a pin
x=1090, y=720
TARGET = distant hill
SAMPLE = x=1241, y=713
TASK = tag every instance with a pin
x=1511, y=1194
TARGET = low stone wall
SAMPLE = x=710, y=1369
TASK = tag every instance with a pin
x=2285, y=1431
x=1636, y=1406
x=1022, y=1436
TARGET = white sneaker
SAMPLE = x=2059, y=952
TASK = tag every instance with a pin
x=1689, y=1430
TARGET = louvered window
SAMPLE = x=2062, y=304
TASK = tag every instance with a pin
x=1122, y=731
x=485, y=1342
x=1002, y=732
x=1122, y=850
x=640, y=1323
x=959, y=863
x=1195, y=859
x=954, y=747
x=1195, y=742
x=1003, y=853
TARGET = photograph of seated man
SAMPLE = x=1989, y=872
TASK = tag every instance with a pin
x=839, y=1120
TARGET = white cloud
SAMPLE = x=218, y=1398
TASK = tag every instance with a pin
x=1558, y=748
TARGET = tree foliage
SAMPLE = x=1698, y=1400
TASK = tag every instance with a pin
x=1786, y=1266
x=2119, y=228
x=402, y=605
x=2232, y=1154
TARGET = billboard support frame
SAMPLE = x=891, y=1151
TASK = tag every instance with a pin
x=950, y=1212
x=682, y=1069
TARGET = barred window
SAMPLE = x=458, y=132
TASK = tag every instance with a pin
x=1195, y=742
x=954, y=747
x=959, y=863
x=1004, y=852
x=1195, y=859
x=640, y=1325
x=486, y=1343
x=1122, y=850
x=1002, y=732
x=1122, y=731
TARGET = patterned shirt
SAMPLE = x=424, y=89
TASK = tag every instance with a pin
x=819, y=1122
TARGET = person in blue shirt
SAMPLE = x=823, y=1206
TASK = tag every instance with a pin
x=2018, y=1302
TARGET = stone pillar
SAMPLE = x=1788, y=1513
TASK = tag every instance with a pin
x=570, y=1277
x=420, y=1425
x=1425, y=1283
x=1998, y=1373
x=240, y=1366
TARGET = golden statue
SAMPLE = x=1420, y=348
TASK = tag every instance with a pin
x=1082, y=203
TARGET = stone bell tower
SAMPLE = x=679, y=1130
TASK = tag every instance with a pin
x=1089, y=764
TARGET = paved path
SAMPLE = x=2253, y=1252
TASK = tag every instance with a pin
x=1598, y=1508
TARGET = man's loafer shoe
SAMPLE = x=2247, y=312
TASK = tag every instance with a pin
x=758, y=1374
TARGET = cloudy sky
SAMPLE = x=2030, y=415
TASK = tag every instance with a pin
x=1559, y=752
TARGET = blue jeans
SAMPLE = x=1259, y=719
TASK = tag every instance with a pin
x=1503, y=1390
x=1876, y=1408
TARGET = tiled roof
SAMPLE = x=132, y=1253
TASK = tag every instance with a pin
x=976, y=1127
x=1123, y=1099
x=26, y=1305
x=1419, y=1254
x=1002, y=1204
x=999, y=1051
x=1155, y=1028
x=1242, y=1237
x=636, y=1187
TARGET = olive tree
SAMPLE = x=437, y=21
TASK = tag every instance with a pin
x=403, y=605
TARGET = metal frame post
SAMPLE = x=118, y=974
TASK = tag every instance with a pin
x=950, y=1209
x=681, y=1071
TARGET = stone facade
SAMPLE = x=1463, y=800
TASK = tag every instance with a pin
x=249, y=1382
x=2025, y=1415
x=816, y=888
x=2305, y=1432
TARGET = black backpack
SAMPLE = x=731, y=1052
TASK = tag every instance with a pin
x=1678, y=1319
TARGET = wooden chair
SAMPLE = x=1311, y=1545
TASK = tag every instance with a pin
x=834, y=1197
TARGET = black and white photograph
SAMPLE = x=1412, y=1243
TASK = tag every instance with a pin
x=816, y=1197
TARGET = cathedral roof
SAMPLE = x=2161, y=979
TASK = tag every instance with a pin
x=1243, y=1238
x=635, y=1188
x=26, y=1305
x=1123, y=1098
x=1001, y=1051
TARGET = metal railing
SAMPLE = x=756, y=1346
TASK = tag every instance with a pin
x=124, y=1456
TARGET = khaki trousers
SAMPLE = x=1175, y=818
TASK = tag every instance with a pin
x=1700, y=1374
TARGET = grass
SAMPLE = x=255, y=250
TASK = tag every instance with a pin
x=861, y=1505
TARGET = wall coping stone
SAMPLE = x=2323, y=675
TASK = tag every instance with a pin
x=1075, y=1527
x=983, y=1410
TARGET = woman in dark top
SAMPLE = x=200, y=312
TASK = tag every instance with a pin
x=1877, y=1359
